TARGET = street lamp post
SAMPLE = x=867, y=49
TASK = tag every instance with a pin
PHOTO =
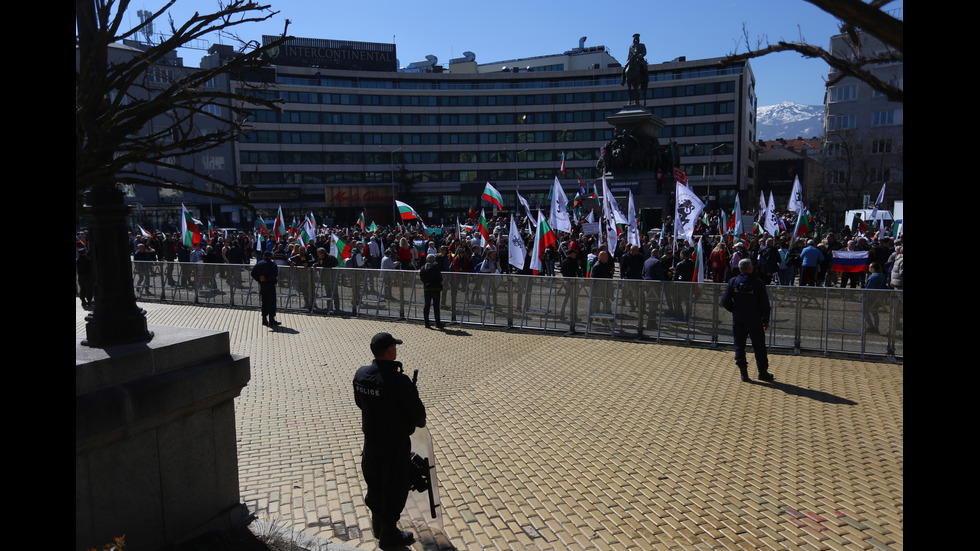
x=394, y=210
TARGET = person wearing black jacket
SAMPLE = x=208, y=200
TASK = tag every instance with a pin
x=266, y=272
x=747, y=300
x=768, y=261
x=431, y=276
x=390, y=411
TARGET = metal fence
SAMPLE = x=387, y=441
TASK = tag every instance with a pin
x=853, y=322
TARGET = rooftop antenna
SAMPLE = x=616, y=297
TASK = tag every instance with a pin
x=146, y=24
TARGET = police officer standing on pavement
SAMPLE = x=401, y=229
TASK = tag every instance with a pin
x=390, y=411
x=266, y=272
x=747, y=300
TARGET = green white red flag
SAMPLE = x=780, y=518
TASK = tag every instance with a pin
x=279, y=226
x=481, y=225
x=542, y=238
x=189, y=228
x=308, y=229
x=804, y=223
x=699, y=262
x=340, y=249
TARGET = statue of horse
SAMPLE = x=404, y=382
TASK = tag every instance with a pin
x=635, y=73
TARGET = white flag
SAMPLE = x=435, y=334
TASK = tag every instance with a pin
x=632, y=231
x=517, y=250
x=771, y=223
x=531, y=220
x=795, y=203
x=609, y=215
x=686, y=212
x=878, y=201
x=559, y=209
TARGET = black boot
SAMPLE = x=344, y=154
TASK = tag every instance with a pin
x=744, y=372
x=393, y=537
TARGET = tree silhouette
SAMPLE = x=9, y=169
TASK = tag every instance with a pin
x=135, y=113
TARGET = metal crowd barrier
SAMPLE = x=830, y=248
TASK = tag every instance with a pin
x=851, y=322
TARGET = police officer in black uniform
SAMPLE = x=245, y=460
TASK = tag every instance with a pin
x=390, y=411
x=266, y=272
x=748, y=302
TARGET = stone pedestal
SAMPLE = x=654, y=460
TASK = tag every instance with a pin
x=636, y=119
x=634, y=158
x=155, y=447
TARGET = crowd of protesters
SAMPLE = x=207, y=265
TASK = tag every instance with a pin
x=778, y=259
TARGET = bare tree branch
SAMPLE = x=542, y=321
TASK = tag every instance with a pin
x=854, y=15
x=138, y=114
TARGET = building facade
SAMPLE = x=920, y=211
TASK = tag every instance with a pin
x=352, y=138
x=355, y=132
x=863, y=130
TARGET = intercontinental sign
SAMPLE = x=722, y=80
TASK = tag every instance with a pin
x=335, y=54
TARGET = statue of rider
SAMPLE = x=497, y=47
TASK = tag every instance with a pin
x=635, y=73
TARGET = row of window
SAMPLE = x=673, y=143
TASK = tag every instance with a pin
x=618, y=96
x=849, y=92
x=541, y=175
x=418, y=176
x=269, y=116
x=471, y=138
x=403, y=158
x=500, y=84
x=878, y=118
x=450, y=157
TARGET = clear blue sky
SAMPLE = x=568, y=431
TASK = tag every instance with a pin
x=508, y=29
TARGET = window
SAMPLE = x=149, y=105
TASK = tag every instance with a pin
x=213, y=162
x=843, y=93
x=840, y=122
x=883, y=118
x=882, y=146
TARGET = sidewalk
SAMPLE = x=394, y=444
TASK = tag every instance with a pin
x=549, y=442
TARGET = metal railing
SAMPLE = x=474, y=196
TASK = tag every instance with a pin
x=853, y=322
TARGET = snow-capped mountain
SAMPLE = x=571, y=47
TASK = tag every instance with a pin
x=789, y=120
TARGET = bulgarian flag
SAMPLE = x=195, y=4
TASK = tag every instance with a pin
x=308, y=229
x=406, y=212
x=491, y=194
x=562, y=162
x=699, y=262
x=189, y=228
x=738, y=230
x=265, y=228
x=361, y=221
x=340, y=249
x=279, y=226
x=804, y=223
x=580, y=195
x=143, y=233
x=543, y=237
x=481, y=225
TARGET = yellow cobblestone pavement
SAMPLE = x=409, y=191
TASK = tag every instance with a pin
x=551, y=442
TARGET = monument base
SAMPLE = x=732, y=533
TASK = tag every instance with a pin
x=155, y=448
